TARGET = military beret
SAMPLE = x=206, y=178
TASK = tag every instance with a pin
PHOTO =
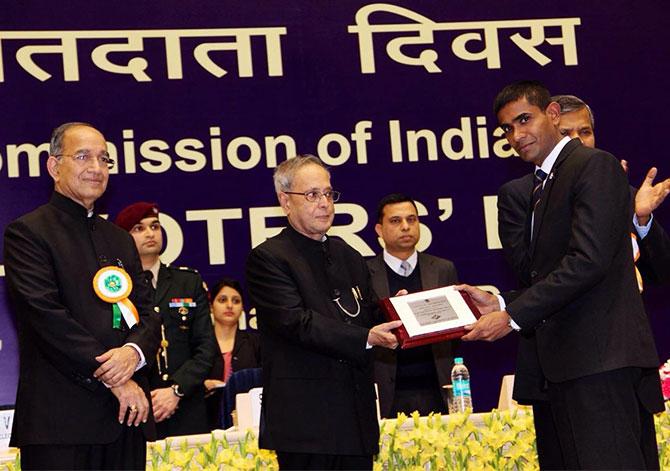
x=131, y=215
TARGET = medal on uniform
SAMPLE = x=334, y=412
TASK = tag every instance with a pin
x=163, y=353
x=182, y=303
x=113, y=285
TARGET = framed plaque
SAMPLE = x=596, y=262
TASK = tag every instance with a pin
x=430, y=316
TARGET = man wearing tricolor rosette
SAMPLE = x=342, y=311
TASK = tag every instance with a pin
x=86, y=328
x=188, y=345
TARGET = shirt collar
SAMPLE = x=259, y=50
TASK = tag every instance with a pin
x=69, y=206
x=154, y=271
x=394, y=262
x=548, y=163
x=302, y=239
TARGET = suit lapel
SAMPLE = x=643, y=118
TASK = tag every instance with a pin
x=429, y=276
x=163, y=283
x=546, y=193
x=378, y=276
x=529, y=214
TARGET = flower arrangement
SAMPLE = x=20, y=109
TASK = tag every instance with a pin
x=499, y=440
x=505, y=440
x=663, y=436
x=215, y=455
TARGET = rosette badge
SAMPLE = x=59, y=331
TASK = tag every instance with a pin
x=113, y=285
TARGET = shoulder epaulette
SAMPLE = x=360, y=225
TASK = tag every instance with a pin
x=188, y=269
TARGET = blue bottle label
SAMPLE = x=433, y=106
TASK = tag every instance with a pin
x=461, y=387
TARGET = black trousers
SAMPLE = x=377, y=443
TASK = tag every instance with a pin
x=129, y=451
x=302, y=461
x=549, y=452
x=601, y=423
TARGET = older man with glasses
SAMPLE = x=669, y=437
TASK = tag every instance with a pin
x=317, y=319
x=86, y=329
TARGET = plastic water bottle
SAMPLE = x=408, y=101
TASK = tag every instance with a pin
x=460, y=381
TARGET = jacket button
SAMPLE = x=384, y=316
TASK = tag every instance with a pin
x=533, y=274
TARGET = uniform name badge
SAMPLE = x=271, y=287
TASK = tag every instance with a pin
x=113, y=285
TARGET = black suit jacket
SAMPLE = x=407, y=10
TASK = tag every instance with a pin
x=318, y=395
x=246, y=354
x=191, y=348
x=654, y=261
x=435, y=272
x=581, y=313
x=514, y=199
x=51, y=256
x=514, y=218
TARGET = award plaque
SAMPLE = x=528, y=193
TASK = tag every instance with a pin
x=430, y=316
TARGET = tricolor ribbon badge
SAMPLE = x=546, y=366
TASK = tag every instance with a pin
x=113, y=285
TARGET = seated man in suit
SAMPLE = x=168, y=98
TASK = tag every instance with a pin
x=188, y=346
x=411, y=379
x=317, y=319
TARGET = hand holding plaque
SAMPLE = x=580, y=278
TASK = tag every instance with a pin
x=430, y=316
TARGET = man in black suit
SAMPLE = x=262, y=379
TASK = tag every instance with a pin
x=586, y=348
x=188, y=346
x=514, y=200
x=82, y=400
x=317, y=319
x=652, y=241
x=411, y=379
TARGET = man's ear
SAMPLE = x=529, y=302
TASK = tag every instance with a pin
x=284, y=202
x=52, y=167
x=378, y=230
x=554, y=112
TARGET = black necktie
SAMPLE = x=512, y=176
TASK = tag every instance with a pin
x=538, y=187
x=148, y=279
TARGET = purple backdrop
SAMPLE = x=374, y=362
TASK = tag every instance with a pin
x=199, y=128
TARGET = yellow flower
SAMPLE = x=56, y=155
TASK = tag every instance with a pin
x=468, y=428
x=515, y=452
x=474, y=447
x=401, y=419
x=225, y=457
x=415, y=417
x=201, y=459
x=182, y=458
x=267, y=455
x=409, y=452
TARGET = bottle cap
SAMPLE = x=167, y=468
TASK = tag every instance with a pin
x=458, y=361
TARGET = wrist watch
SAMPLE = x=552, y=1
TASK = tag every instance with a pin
x=175, y=390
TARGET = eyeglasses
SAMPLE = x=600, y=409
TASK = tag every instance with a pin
x=86, y=158
x=315, y=195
